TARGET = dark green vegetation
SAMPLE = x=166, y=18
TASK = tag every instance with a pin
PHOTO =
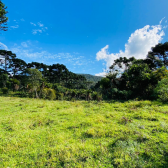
x=42, y=133
x=92, y=78
x=3, y=18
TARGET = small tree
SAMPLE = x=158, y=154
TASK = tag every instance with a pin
x=34, y=77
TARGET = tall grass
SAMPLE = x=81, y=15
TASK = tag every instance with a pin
x=42, y=133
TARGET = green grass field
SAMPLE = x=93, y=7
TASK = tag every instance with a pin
x=41, y=133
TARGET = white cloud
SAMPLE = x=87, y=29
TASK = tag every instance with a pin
x=3, y=46
x=24, y=44
x=32, y=23
x=15, y=27
x=40, y=24
x=103, y=74
x=138, y=45
x=161, y=20
x=35, y=31
x=22, y=20
x=41, y=28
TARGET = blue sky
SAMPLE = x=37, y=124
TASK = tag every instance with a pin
x=84, y=35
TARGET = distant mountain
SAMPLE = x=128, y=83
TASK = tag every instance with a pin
x=92, y=78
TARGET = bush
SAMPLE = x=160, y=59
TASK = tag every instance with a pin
x=99, y=97
x=48, y=94
x=44, y=94
x=31, y=94
x=5, y=90
x=60, y=96
x=94, y=95
x=162, y=90
x=51, y=94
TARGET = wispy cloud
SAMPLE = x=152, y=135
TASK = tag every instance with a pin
x=40, y=28
x=24, y=44
x=161, y=20
x=30, y=52
x=15, y=27
x=3, y=46
x=40, y=24
x=35, y=31
x=22, y=20
x=32, y=23
x=138, y=45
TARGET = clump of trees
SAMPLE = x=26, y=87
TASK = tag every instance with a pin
x=131, y=78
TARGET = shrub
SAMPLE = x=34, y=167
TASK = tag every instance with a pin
x=99, y=97
x=44, y=94
x=94, y=95
x=60, y=96
x=31, y=94
x=51, y=94
x=5, y=90
x=162, y=90
x=48, y=94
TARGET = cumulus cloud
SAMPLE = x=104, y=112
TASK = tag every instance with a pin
x=138, y=45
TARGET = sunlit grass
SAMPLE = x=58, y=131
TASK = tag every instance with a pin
x=41, y=133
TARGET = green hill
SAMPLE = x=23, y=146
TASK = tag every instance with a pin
x=92, y=78
x=41, y=133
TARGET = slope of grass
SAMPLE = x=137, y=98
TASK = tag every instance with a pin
x=40, y=133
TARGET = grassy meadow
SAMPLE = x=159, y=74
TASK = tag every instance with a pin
x=41, y=133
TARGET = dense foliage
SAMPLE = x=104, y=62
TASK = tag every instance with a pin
x=92, y=78
x=136, y=78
